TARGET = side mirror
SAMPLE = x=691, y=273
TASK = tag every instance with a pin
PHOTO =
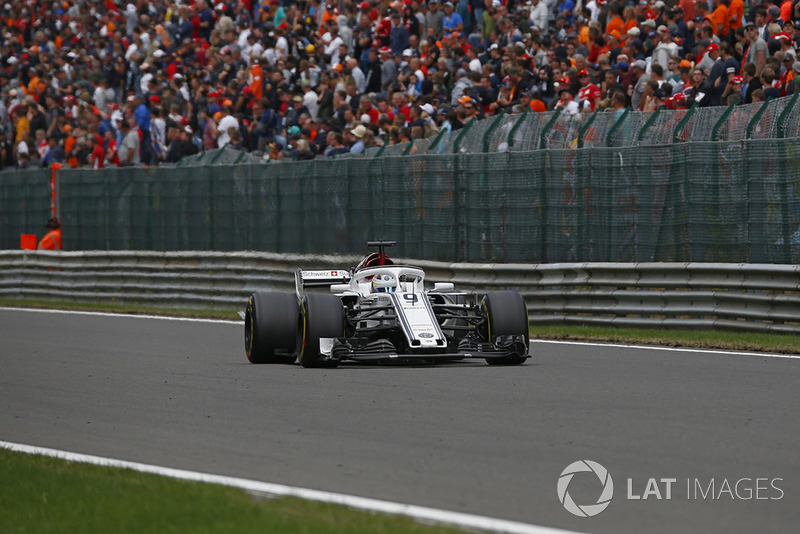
x=339, y=288
x=443, y=286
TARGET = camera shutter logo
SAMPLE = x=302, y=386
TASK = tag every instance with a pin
x=586, y=510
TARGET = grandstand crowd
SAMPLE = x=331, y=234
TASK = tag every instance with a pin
x=99, y=83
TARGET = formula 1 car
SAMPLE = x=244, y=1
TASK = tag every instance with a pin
x=380, y=312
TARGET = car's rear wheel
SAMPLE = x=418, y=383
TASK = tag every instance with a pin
x=322, y=319
x=270, y=327
x=507, y=317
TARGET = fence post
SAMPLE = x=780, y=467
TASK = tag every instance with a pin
x=491, y=130
x=678, y=171
x=55, y=190
x=585, y=128
x=379, y=153
x=584, y=160
x=548, y=127
x=602, y=204
x=545, y=157
x=785, y=186
x=682, y=124
x=722, y=120
x=617, y=125
x=785, y=114
x=516, y=127
x=649, y=123
x=218, y=154
x=486, y=213
x=716, y=190
x=755, y=251
x=436, y=141
x=464, y=130
x=410, y=146
x=751, y=126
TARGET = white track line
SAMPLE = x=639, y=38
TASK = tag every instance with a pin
x=417, y=512
x=552, y=341
x=125, y=315
x=669, y=349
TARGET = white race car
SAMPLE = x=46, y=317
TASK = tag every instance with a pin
x=381, y=312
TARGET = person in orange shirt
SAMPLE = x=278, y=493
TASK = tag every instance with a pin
x=583, y=36
x=21, y=123
x=787, y=7
x=538, y=106
x=530, y=99
x=51, y=240
x=33, y=82
x=69, y=146
x=721, y=18
x=166, y=40
x=328, y=13
x=705, y=15
x=257, y=78
x=629, y=14
x=735, y=12
x=615, y=19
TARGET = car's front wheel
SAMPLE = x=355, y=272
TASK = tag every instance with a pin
x=507, y=322
x=322, y=320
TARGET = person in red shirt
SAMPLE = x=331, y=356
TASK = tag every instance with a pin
x=384, y=30
x=689, y=12
x=365, y=107
x=384, y=108
x=98, y=155
x=111, y=156
x=400, y=106
x=788, y=74
x=644, y=8
x=589, y=92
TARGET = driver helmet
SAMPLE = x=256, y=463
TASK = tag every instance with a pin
x=383, y=283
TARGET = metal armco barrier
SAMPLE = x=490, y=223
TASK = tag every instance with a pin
x=755, y=297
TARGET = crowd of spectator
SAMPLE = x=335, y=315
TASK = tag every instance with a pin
x=100, y=83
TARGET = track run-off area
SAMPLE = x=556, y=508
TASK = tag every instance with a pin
x=692, y=440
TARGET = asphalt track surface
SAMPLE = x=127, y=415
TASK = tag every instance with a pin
x=463, y=437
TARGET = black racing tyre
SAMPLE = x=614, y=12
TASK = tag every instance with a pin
x=506, y=315
x=270, y=327
x=321, y=316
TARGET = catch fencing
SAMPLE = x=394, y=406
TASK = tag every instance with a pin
x=750, y=297
x=523, y=132
x=605, y=187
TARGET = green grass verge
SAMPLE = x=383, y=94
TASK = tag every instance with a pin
x=709, y=339
x=40, y=494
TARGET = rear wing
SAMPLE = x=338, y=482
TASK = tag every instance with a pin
x=319, y=278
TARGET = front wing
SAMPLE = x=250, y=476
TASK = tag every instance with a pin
x=379, y=351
